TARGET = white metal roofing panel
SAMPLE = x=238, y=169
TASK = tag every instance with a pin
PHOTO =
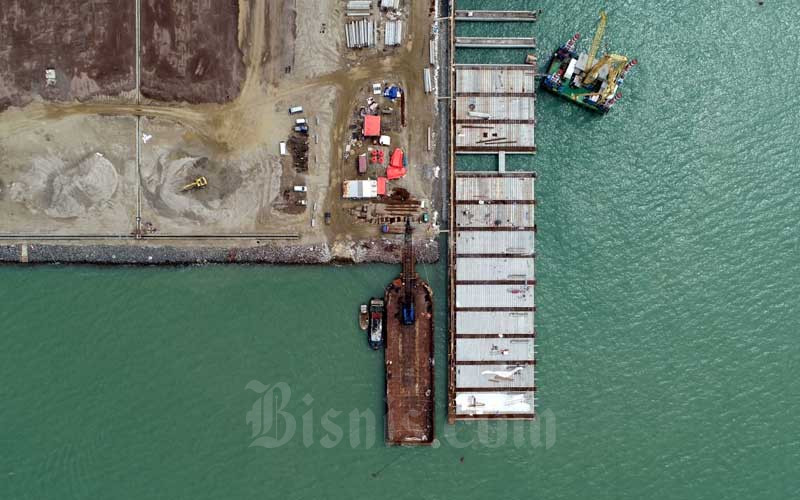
x=494, y=376
x=497, y=107
x=474, y=269
x=495, y=188
x=489, y=78
x=495, y=242
x=510, y=349
x=492, y=215
x=499, y=322
x=494, y=296
x=494, y=403
x=507, y=135
x=360, y=189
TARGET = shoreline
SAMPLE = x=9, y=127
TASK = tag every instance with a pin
x=377, y=251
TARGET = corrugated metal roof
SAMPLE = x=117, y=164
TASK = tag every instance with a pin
x=494, y=215
x=495, y=350
x=494, y=296
x=495, y=188
x=495, y=242
x=494, y=376
x=489, y=189
x=500, y=322
x=474, y=269
x=489, y=78
x=360, y=189
x=498, y=107
x=506, y=135
x=494, y=403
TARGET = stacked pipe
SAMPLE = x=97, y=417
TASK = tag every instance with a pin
x=394, y=33
x=360, y=34
x=359, y=7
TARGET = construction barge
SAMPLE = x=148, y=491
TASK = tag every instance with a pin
x=409, y=355
x=584, y=78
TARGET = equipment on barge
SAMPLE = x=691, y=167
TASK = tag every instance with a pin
x=377, y=312
x=585, y=79
x=363, y=317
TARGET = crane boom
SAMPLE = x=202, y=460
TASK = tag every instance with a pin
x=598, y=37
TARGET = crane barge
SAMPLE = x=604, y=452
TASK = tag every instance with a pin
x=584, y=78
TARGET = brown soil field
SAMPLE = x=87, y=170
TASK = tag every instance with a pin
x=190, y=50
x=89, y=43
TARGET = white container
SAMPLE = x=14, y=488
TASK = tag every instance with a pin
x=295, y=110
x=300, y=121
x=283, y=148
x=300, y=189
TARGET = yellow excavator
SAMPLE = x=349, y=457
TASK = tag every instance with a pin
x=198, y=183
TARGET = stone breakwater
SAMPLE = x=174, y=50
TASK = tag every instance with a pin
x=375, y=251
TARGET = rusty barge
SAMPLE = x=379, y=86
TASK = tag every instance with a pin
x=409, y=355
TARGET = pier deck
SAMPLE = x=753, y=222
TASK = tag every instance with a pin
x=492, y=331
x=495, y=108
x=495, y=43
x=409, y=368
x=497, y=15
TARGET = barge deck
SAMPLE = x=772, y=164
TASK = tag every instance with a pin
x=409, y=356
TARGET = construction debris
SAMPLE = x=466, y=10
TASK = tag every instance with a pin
x=298, y=145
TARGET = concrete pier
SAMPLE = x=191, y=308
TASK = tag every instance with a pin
x=497, y=15
x=495, y=43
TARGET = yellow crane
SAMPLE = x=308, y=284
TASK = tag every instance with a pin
x=198, y=183
x=598, y=37
x=615, y=64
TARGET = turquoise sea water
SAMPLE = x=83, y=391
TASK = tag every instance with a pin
x=667, y=285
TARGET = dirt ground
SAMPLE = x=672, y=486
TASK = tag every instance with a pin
x=89, y=43
x=217, y=92
x=190, y=51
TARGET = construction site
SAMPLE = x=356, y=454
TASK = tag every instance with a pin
x=231, y=131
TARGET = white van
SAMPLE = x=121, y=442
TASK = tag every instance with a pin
x=300, y=121
x=283, y=148
x=295, y=110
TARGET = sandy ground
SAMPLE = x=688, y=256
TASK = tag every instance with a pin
x=52, y=183
x=290, y=57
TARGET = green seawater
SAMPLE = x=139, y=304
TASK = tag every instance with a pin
x=667, y=266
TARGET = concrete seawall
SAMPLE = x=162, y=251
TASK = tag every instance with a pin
x=375, y=251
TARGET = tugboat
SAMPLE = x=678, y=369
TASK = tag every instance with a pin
x=363, y=317
x=376, y=313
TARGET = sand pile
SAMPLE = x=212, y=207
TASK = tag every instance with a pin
x=78, y=189
x=66, y=190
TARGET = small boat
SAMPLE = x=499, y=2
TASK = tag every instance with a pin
x=376, y=324
x=363, y=317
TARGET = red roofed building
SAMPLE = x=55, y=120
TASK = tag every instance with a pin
x=372, y=126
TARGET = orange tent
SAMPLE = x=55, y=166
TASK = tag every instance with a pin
x=372, y=126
